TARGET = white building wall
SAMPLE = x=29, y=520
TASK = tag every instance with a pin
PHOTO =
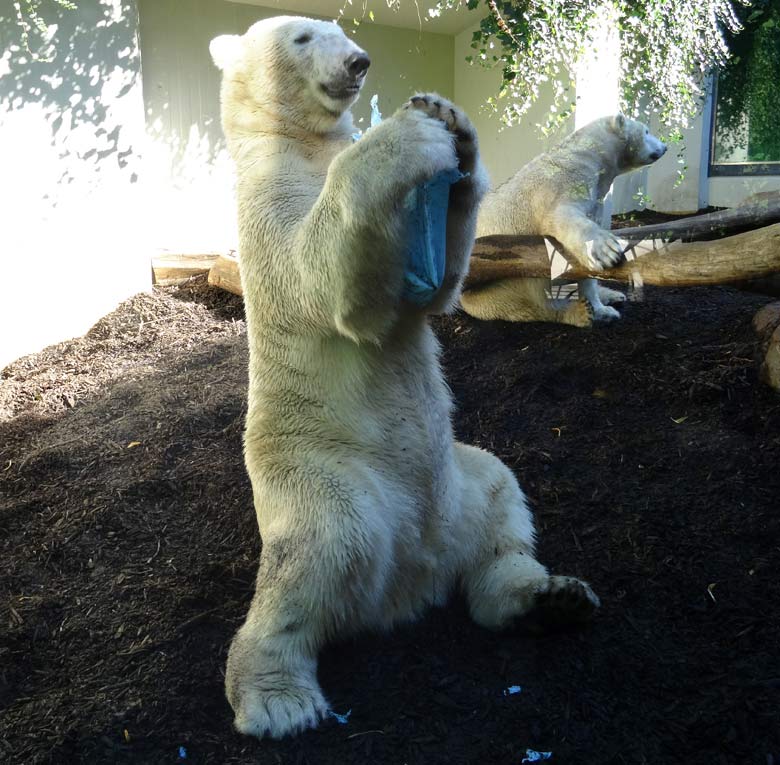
x=186, y=159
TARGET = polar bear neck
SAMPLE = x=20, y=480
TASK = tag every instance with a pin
x=605, y=146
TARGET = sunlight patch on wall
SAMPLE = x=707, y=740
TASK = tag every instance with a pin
x=74, y=240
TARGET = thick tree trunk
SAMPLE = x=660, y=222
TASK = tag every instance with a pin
x=749, y=255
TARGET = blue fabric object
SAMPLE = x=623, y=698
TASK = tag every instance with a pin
x=426, y=235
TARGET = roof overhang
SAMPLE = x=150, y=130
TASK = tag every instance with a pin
x=409, y=14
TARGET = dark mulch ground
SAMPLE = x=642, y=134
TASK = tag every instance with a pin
x=128, y=548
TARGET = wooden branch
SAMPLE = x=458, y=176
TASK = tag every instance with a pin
x=225, y=274
x=177, y=268
x=761, y=211
x=744, y=256
x=749, y=255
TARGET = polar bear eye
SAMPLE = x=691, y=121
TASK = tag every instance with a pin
x=302, y=39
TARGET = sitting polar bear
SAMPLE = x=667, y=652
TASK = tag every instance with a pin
x=560, y=194
x=368, y=509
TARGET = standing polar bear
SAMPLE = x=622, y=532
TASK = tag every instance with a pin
x=368, y=509
x=560, y=194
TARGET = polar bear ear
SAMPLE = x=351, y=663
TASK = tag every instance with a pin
x=225, y=50
x=618, y=123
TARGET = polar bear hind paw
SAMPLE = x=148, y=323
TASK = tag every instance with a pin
x=579, y=313
x=605, y=313
x=279, y=712
x=565, y=601
x=609, y=296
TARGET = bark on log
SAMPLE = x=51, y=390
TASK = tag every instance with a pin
x=744, y=256
x=225, y=274
x=174, y=268
x=761, y=211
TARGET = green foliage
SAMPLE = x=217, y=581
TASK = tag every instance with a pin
x=667, y=49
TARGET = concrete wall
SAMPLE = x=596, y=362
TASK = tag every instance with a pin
x=186, y=155
x=71, y=127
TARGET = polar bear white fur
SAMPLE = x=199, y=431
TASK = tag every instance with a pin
x=368, y=509
x=560, y=194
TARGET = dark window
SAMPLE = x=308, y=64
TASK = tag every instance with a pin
x=746, y=129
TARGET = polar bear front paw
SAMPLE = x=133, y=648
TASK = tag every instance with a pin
x=604, y=250
x=278, y=708
x=428, y=147
x=456, y=122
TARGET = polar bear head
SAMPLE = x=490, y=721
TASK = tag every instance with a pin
x=303, y=72
x=640, y=146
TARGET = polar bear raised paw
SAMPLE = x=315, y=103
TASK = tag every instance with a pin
x=604, y=250
x=457, y=123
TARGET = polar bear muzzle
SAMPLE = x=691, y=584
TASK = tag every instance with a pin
x=355, y=68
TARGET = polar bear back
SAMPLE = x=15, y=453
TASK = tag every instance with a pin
x=579, y=171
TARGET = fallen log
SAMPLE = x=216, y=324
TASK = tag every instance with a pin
x=177, y=268
x=759, y=210
x=748, y=255
x=225, y=274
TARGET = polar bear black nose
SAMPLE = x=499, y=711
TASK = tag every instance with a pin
x=658, y=153
x=357, y=64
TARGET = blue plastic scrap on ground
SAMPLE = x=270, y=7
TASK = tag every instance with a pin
x=182, y=753
x=512, y=690
x=341, y=719
x=533, y=756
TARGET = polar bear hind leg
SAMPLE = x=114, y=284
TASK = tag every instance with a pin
x=523, y=300
x=505, y=581
x=271, y=677
x=590, y=291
